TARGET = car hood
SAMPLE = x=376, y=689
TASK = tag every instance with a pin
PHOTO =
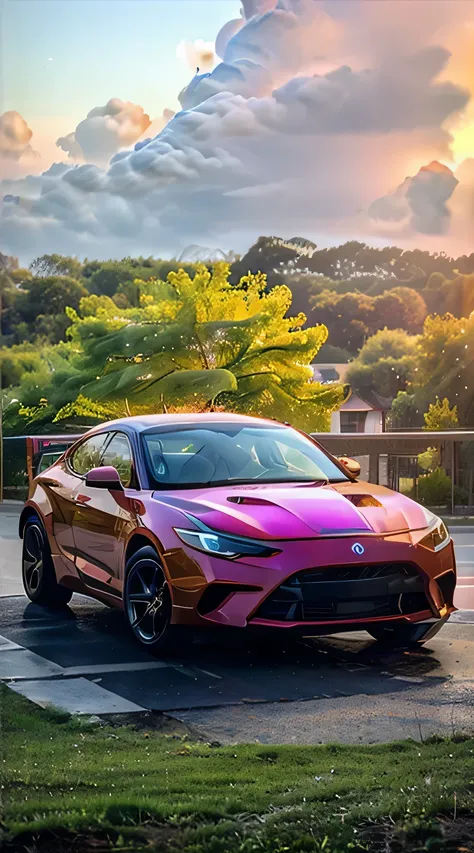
x=299, y=511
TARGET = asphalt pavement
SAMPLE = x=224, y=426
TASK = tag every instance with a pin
x=229, y=687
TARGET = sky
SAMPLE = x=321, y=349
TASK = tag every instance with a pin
x=327, y=119
x=62, y=57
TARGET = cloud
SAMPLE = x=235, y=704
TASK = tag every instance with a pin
x=420, y=200
x=197, y=54
x=15, y=148
x=15, y=136
x=283, y=136
x=105, y=131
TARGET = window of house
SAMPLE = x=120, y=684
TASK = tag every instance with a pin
x=353, y=421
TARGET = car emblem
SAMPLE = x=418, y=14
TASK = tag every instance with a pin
x=358, y=549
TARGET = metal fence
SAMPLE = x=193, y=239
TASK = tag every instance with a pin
x=435, y=468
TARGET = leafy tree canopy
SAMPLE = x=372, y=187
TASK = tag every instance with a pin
x=440, y=416
x=191, y=341
x=386, y=364
x=54, y=265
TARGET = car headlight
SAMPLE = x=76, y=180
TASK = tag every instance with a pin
x=437, y=537
x=222, y=545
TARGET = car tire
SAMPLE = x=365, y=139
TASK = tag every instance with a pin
x=38, y=574
x=404, y=636
x=147, y=604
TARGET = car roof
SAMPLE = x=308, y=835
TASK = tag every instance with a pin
x=139, y=423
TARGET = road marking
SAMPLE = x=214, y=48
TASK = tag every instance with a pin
x=212, y=674
x=74, y=695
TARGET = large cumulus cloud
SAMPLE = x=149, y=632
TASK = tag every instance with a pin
x=105, y=131
x=283, y=136
x=15, y=143
x=420, y=201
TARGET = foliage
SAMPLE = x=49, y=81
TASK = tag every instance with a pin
x=352, y=317
x=435, y=489
x=454, y=296
x=49, y=295
x=353, y=261
x=440, y=416
x=385, y=365
x=446, y=363
x=198, y=341
x=429, y=460
x=405, y=412
x=55, y=265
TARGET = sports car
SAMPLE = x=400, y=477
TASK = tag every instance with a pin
x=222, y=520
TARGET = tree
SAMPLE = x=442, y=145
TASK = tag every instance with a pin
x=405, y=412
x=348, y=317
x=446, y=363
x=352, y=317
x=399, y=308
x=386, y=364
x=54, y=265
x=194, y=342
x=49, y=295
x=440, y=416
x=451, y=296
x=107, y=278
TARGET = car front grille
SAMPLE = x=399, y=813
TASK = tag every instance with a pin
x=346, y=592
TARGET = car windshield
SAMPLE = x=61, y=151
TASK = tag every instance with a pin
x=234, y=453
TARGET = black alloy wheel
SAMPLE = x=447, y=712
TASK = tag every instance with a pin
x=38, y=574
x=147, y=602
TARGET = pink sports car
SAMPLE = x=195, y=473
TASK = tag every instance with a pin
x=226, y=520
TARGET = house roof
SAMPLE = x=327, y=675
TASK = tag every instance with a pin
x=326, y=373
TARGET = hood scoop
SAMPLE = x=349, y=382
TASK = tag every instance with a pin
x=363, y=501
x=248, y=501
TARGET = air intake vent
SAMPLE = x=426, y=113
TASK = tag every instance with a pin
x=347, y=592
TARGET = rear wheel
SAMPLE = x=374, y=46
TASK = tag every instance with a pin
x=402, y=636
x=148, y=604
x=39, y=577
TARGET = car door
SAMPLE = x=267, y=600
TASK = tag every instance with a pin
x=103, y=520
x=60, y=484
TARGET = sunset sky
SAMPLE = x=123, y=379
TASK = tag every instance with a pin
x=62, y=57
x=317, y=122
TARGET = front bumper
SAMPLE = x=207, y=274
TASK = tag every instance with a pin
x=319, y=584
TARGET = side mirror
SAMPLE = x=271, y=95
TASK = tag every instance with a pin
x=351, y=466
x=104, y=478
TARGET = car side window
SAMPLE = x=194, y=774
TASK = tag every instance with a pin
x=118, y=454
x=88, y=454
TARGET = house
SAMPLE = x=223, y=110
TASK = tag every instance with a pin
x=357, y=414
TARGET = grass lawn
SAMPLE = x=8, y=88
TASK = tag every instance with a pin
x=70, y=786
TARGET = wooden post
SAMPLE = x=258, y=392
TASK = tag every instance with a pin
x=374, y=468
x=453, y=474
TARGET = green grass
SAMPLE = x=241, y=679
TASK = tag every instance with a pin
x=130, y=789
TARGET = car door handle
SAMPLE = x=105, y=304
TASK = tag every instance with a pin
x=82, y=500
x=52, y=484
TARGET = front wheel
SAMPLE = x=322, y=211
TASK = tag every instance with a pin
x=147, y=603
x=39, y=577
x=403, y=636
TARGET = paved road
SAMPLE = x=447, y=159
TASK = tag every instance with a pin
x=320, y=690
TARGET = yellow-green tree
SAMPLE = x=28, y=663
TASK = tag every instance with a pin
x=441, y=416
x=195, y=343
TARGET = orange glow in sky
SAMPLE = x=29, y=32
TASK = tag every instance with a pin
x=462, y=145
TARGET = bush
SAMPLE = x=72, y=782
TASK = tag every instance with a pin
x=435, y=489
